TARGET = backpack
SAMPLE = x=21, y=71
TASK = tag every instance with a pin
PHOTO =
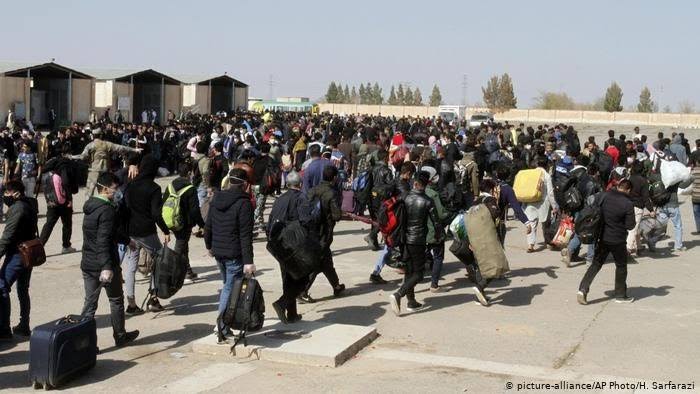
x=573, y=200
x=589, y=222
x=171, y=210
x=605, y=165
x=658, y=193
x=169, y=270
x=49, y=190
x=451, y=196
x=361, y=184
x=390, y=219
x=182, y=150
x=245, y=310
x=561, y=183
x=271, y=178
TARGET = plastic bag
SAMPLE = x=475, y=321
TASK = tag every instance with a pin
x=458, y=227
x=673, y=172
x=564, y=232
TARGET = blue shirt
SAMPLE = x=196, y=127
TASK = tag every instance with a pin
x=313, y=174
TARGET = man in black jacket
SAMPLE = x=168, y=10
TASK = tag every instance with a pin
x=100, y=260
x=290, y=206
x=418, y=208
x=324, y=193
x=228, y=234
x=190, y=214
x=640, y=198
x=382, y=186
x=618, y=218
x=144, y=199
x=20, y=226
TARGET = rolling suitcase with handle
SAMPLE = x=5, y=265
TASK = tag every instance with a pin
x=62, y=349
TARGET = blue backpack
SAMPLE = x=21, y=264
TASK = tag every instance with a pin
x=361, y=182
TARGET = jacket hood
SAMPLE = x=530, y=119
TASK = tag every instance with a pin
x=93, y=204
x=224, y=199
x=180, y=182
x=677, y=140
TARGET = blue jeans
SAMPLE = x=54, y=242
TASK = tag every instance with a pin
x=380, y=261
x=230, y=271
x=202, y=194
x=13, y=271
x=575, y=246
x=696, y=213
x=674, y=214
x=438, y=252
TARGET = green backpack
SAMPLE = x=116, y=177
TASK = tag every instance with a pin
x=171, y=208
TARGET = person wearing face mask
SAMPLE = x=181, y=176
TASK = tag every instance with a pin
x=20, y=226
x=100, y=259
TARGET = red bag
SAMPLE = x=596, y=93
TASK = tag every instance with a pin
x=390, y=220
x=564, y=233
x=348, y=203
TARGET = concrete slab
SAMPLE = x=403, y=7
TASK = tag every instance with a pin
x=310, y=343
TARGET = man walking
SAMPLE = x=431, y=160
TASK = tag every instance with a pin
x=618, y=218
x=100, y=260
x=418, y=209
x=20, y=226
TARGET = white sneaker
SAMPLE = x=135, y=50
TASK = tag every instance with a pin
x=480, y=296
x=395, y=302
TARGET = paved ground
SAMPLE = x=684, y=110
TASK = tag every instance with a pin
x=534, y=331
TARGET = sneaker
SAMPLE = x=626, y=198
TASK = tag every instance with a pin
x=435, y=289
x=294, y=319
x=126, y=338
x=6, y=336
x=624, y=300
x=566, y=257
x=373, y=244
x=154, y=305
x=187, y=281
x=483, y=300
x=133, y=310
x=191, y=275
x=377, y=279
x=681, y=249
x=68, y=250
x=338, y=291
x=280, y=312
x=395, y=302
x=21, y=330
x=227, y=332
x=305, y=299
x=581, y=298
x=414, y=306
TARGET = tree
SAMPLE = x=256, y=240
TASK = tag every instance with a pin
x=363, y=94
x=332, y=93
x=346, y=95
x=645, y=103
x=613, y=98
x=686, y=107
x=408, y=96
x=392, y=97
x=354, y=97
x=435, y=97
x=490, y=93
x=506, y=96
x=552, y=100
x=667, y=109
x=399, y=95
x=377, y=97
x=417, y=97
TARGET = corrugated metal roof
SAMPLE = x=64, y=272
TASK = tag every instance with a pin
x=192, y=79
x=10, y=67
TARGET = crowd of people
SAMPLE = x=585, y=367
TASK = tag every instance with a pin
x=419, y=182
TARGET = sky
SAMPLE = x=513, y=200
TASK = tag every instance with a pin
x=572, y=46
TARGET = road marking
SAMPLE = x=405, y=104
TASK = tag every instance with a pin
x=207, y=378
x=493, y=367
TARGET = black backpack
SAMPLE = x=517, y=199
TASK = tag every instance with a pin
x=573, y=200
x=245, y=310
x=169, y=272
x=589, y=223
x=561, y=183
x=658, y=193
x=49, y=190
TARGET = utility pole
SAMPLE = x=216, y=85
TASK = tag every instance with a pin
x=271, y=87
x=464, y=89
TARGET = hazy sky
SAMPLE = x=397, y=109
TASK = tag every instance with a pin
x=575, y=46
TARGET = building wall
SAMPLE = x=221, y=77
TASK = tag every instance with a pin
x=240, y=98
x=172, y=101
x=529, y=115
x=82, y=101
x=12, y=90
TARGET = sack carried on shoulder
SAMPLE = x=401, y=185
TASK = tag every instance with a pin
x=32, y=253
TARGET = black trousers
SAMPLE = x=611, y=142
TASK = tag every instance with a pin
x=373, y=211
x=182, y=245
x=413, y=273
x=63, y=212
x=115, y=293
x=291, y=289
x=327, y=269
x=619, y=252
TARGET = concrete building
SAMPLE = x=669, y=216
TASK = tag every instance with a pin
x=132, y=92
x=208, y=95
x=33, y=90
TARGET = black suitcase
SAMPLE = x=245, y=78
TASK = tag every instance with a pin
x=62, y=349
